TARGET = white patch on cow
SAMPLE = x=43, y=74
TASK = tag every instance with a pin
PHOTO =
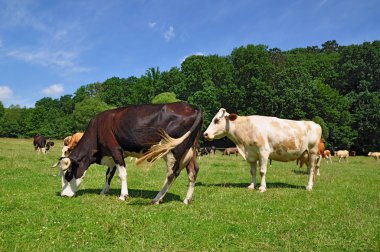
x=70, y=188
x=123, y=178
x=65, y=151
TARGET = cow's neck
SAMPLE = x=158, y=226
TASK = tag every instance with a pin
x=236, y=135
x=84, y=152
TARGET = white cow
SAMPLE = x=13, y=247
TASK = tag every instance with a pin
x=259, y=138
x=342, y=154
x=375, y=155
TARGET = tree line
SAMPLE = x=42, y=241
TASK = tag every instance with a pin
x=333, y=85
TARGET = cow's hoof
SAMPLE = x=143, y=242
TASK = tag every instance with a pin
x=309, y=188
x=187, y=201
x=123, y=197
x=251, y=187
x=262, y=189
x=155, y=202
x=103, y=192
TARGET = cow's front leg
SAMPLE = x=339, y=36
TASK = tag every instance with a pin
x=122, y=171
x=253, y=174
x=263, y=172
x=171, y=163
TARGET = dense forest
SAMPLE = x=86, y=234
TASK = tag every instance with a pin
x=333, y=85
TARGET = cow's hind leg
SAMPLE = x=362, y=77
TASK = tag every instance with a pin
x=171, y=163
x=109, y=175
x=108, y=161
x=192, y=172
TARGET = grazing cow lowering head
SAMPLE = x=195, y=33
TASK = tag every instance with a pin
x=259, y=138
x=375, y=155
x=145, y=131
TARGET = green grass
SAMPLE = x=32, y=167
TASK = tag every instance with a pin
x=340, y=214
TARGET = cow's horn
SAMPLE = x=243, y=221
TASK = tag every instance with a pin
x=65, y=163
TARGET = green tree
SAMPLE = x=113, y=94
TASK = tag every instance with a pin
x=12, y=122
x=2, y=109
x=166, y=97
x=359, y=68
x=114, y=92
x=365, y=109
x=85, y=110
x=206, y=98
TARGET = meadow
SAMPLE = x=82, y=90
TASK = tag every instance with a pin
x=340, y=214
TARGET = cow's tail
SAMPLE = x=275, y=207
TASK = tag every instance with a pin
x=167, y=143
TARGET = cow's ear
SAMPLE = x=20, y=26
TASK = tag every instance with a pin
x=232, y=117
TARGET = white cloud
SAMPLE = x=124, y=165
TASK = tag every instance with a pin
x=169, y=34
x=152, y=24
x=197, y=53
x=5, y=93
x=53, y=90
x=61, y=59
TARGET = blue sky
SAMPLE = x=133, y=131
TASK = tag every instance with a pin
x=49, y=48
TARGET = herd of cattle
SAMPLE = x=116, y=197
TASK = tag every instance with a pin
x=172, y=131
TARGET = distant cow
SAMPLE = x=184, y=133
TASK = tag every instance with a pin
x=353, y=153
x=70, y=142
x=342, y=154
x=229, y=151
x=375, y=155
x=144, y=131
x=259, y=138
x=40, y=144
x=207, y=150
x=328, y=156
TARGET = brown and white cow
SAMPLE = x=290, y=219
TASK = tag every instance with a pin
x=145, y=131
x=375, y=155
x=259, y=138
x=342, y=154
x=70, y=142
x=328, y=156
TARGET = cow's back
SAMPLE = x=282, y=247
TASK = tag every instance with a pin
x=136, y=128
x=284, y=139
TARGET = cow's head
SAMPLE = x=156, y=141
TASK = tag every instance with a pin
x=72, y=174
x=49, y=145
x=219, y=125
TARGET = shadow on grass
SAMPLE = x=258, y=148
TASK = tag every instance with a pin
x=300, y=172
x=245, y=185
x=133, y=193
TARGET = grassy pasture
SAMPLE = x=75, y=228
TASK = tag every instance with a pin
x=340, y=214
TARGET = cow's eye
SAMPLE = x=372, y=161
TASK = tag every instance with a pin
x=216, y=120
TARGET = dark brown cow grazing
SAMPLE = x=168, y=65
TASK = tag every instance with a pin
x=145, y=131
x=40, y=144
